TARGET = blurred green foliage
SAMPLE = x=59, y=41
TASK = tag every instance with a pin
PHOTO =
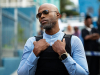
x=20, y=33
x=64, y=3
x=70, y=12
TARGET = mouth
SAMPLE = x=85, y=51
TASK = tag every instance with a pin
x=43, y=21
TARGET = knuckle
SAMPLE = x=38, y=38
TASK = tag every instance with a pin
x=44, y=40
x=48, y=44
x=57, y=40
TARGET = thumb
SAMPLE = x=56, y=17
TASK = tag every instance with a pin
x=34, y=42
x=64, y=40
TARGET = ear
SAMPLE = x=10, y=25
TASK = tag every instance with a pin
x=58, y=15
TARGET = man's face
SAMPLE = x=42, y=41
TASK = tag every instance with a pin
x=76, y=29
x=88, y=22
x=47, y=20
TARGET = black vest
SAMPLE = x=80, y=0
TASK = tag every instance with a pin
x=49, y=62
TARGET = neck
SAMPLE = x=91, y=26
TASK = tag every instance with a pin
x=53, y=30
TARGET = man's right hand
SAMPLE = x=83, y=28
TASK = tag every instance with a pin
x=39, y=46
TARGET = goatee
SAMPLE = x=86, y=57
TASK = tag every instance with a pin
x=49, y=26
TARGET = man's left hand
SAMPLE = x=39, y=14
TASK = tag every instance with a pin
x=59, y=47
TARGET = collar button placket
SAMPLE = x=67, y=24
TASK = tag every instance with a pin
x=51, y=40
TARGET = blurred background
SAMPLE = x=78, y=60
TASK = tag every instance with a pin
x=18, y=22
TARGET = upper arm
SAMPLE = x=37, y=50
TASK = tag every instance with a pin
x=78, y=53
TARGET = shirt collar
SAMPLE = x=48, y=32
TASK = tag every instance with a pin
x=89, y=28
x=52, y=36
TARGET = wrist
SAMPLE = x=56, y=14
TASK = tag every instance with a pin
x=61, y=52
x=63, y=56
x=36, y=51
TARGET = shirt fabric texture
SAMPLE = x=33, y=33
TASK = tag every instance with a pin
x=75, y=65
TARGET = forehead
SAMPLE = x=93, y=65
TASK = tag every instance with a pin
x=89, y=19
x=45, y=7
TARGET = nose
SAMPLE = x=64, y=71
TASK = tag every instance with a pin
x=42, y=16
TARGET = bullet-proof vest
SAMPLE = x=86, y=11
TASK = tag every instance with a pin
x=49, y=62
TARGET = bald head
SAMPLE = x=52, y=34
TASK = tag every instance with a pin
x=49, y=6
x=48, y=15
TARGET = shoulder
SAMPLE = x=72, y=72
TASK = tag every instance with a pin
x=74, y=37
x=84, y=29
x=30, y=40
x=76, y=44
x=75, y=40
x=28, y=47
x=94, y=28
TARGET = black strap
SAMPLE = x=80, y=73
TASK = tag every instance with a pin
x=67, y=39
x=68, y=42
x=38, y=37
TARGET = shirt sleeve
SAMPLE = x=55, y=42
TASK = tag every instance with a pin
x=77, y=64
x=29, y=60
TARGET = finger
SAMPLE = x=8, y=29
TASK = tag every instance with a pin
x=52, y=45
x=59, y=40
x=64, y=40
x=34, y=42
x=44, y=40
x=48, y=44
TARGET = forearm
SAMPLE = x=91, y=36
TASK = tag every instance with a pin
x=88, y=37
x=26, y=69
x=94, y=36
x=26, y=65
x=74, y=68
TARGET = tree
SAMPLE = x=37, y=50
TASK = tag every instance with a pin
x=64, y=3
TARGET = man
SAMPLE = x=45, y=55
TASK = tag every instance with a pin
x=98, y=22
x=50, y=48
x=90, y=37
x=69, y=30
x=77, y=31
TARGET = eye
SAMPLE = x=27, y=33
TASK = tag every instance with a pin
x=39, y=15
x=45, y=12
